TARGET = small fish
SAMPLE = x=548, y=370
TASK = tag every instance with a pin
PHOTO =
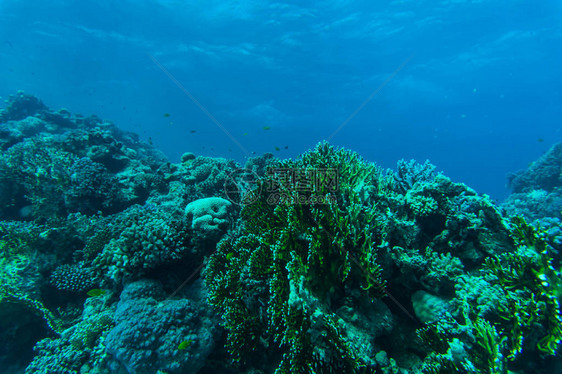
x=150, y=140
x=96, y=292
x=540, y=140
x=193, y=131
x=245, y=134
x=229, y=256
x=277, y=148
x=166, y=115
x=286, y=147
x=186, y=343
x=267, y=128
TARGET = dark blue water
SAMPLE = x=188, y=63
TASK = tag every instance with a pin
x=474, y=86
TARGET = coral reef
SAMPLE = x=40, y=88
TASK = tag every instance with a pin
x=139, y=239
x=149, y=329
x=54, y=163
x=307, y=253
x=537, y=190
x=543, y=174
x=116, y=260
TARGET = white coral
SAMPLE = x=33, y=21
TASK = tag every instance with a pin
x=209, y=216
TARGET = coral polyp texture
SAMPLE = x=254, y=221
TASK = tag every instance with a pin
x=115, y=259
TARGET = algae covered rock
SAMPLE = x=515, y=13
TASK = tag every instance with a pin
x=428, y=307
x=152, y=333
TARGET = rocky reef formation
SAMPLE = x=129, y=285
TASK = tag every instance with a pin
x=116, y=260
x=537, y=190
x=537, y=194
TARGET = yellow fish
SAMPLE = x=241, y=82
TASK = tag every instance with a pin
x=96, y=292
x=186, y=343
x=267, y=128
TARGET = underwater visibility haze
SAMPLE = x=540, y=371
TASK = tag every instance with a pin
x=280, y=187
x=479, y=94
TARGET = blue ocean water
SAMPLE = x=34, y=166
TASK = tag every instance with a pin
x=473, y=86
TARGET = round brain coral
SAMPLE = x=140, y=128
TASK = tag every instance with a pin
x=209, y=216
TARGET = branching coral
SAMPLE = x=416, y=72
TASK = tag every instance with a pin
x=489, y=347
x=532, y=288
x=409, y=173
x=293, y=259
x=482, y=353
x=509, y=309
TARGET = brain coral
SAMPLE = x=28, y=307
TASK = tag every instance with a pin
x=209, y=216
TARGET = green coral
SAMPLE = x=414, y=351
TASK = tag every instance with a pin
x=489, y=347
x=511, y=308
x=532, y=287
x=450, y=354
x=274, y=280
